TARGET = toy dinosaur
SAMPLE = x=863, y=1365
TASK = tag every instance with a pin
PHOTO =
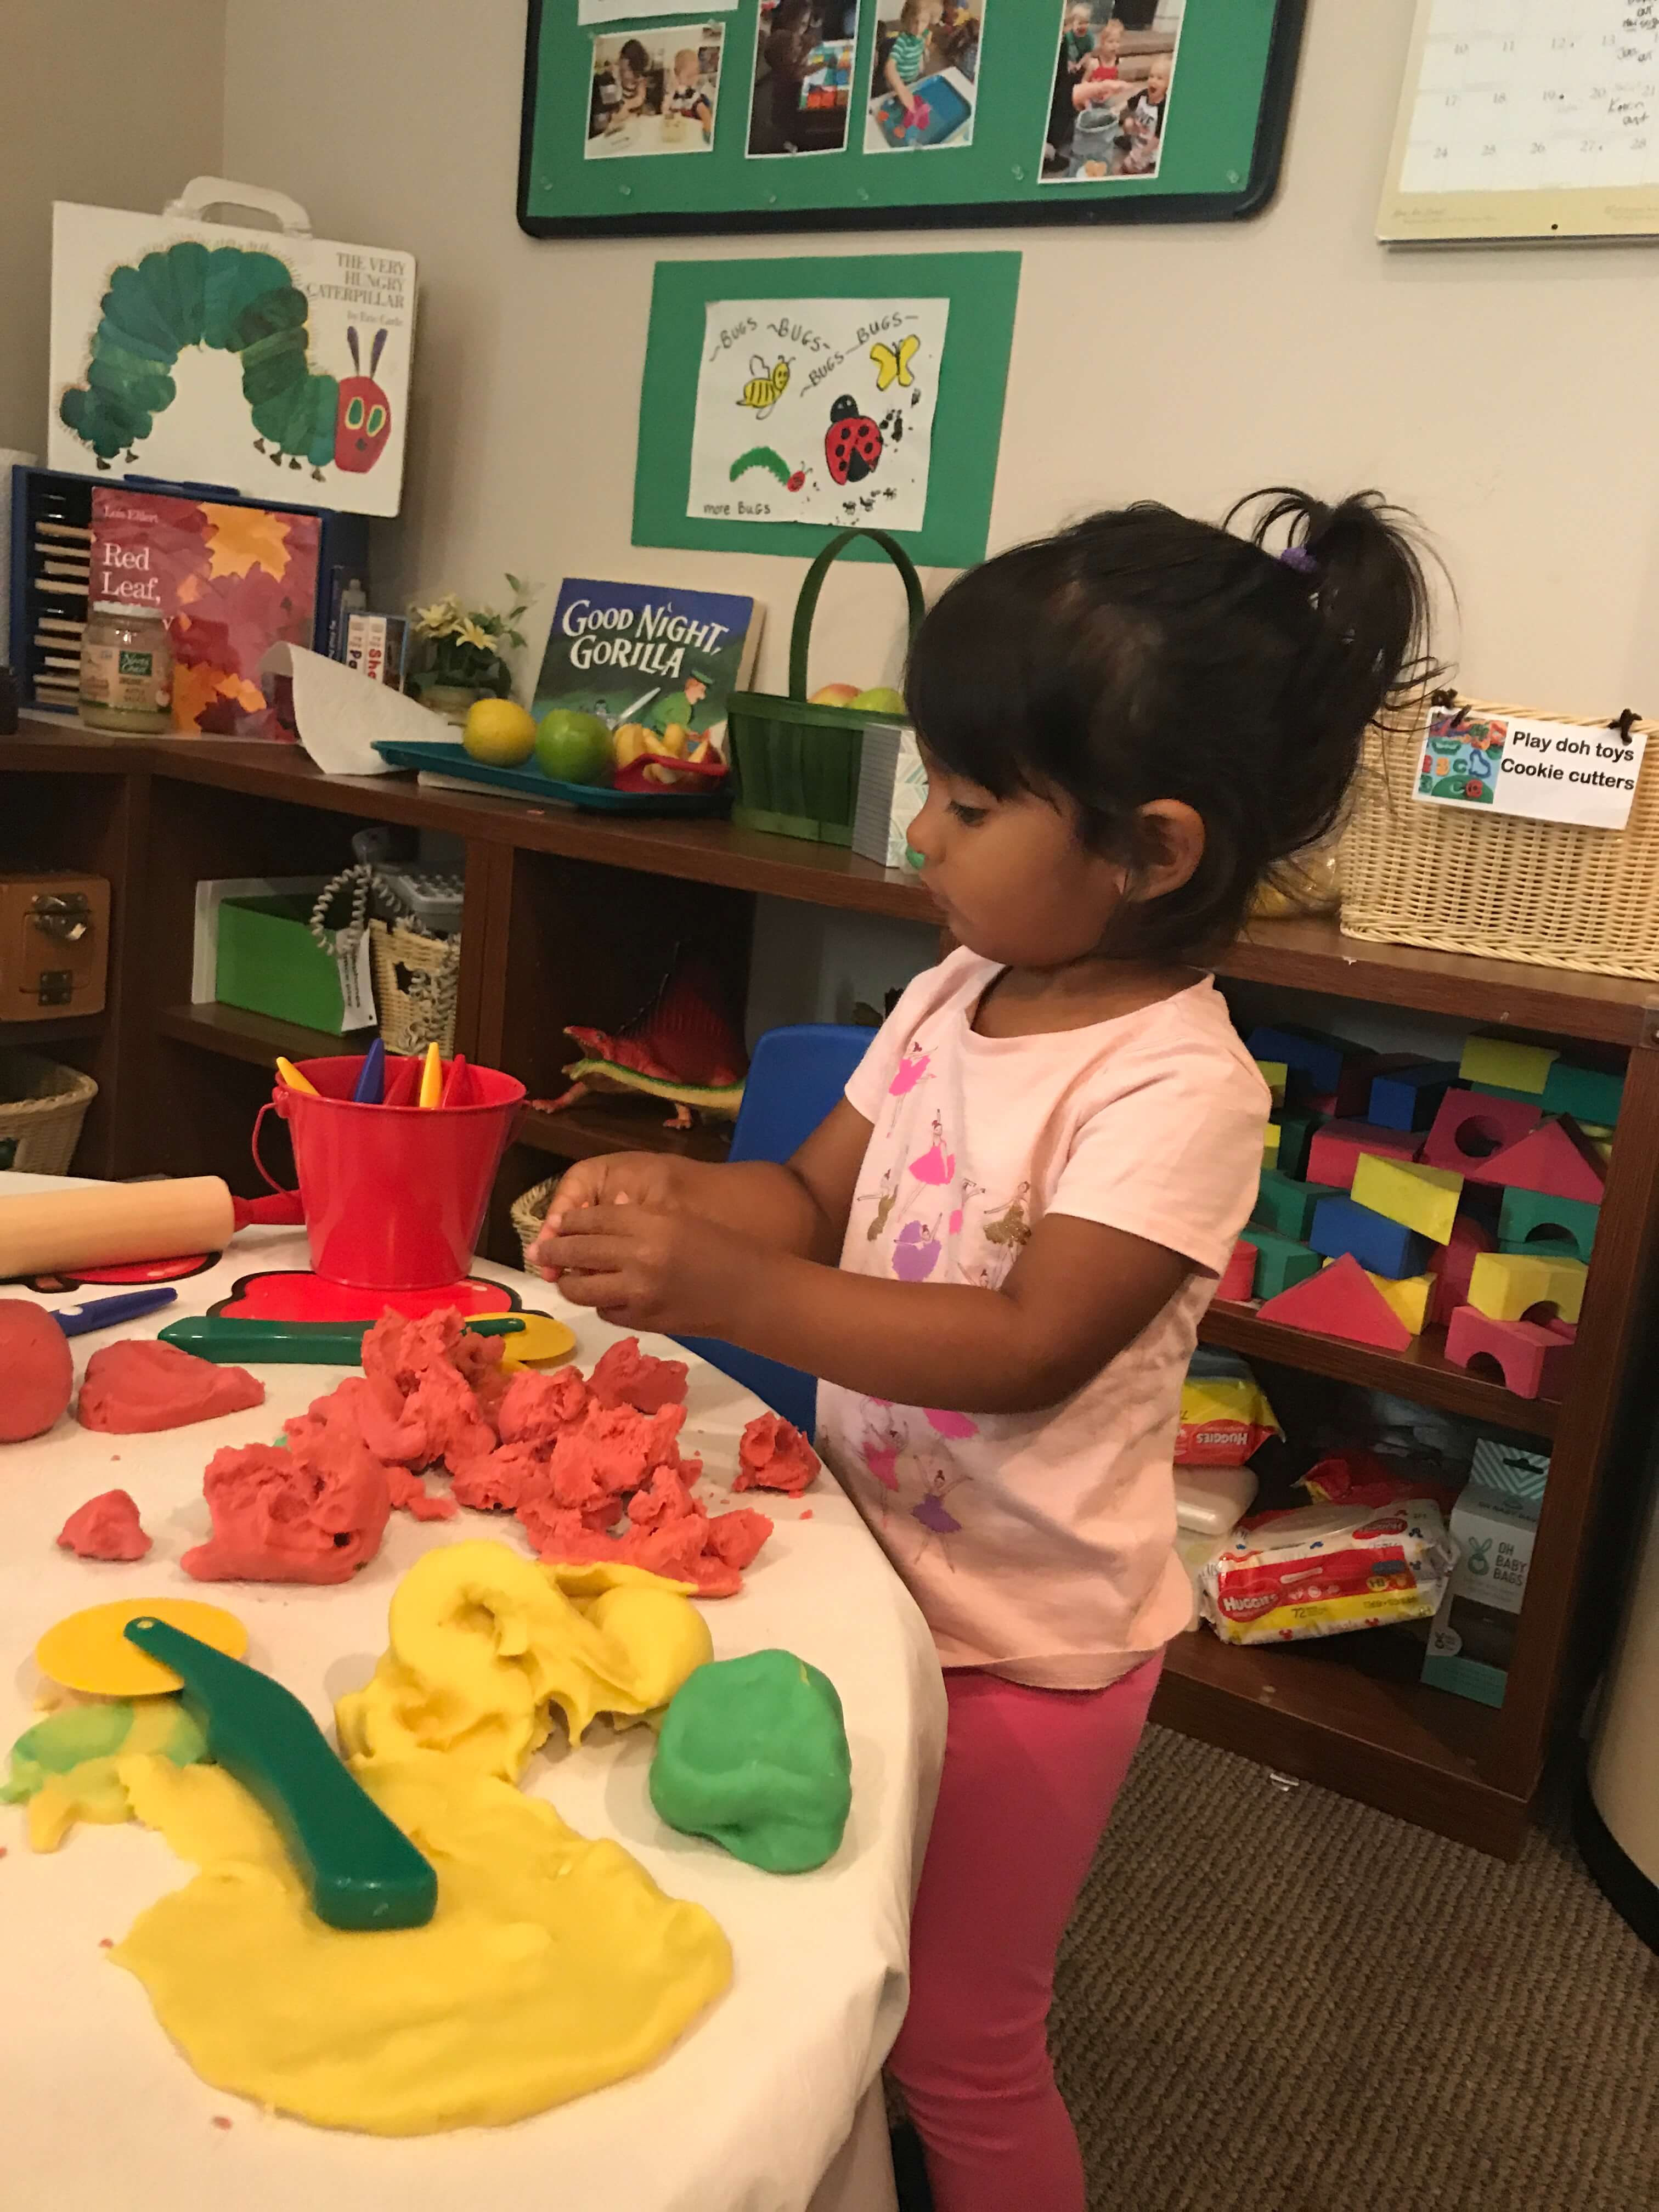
x=683, y=1049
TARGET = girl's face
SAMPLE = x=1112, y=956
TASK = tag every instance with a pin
x=1015, y=881
x=1108, y=40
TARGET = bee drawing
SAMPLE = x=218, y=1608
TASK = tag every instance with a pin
x=766, y=387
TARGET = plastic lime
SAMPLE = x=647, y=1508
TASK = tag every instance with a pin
x=573, y=747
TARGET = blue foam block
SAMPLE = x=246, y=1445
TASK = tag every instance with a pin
x=1409, y=1097
x=1319, y=1056
x=1386, y=1247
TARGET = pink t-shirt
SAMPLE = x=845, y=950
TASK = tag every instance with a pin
x=1042, y=1545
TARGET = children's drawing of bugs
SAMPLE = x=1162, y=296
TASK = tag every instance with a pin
x=766, y=387
x=235, y=301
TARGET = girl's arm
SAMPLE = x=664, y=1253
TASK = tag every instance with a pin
x=800, y=1207
x=1077, y=1295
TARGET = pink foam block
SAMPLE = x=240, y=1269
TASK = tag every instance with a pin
x=1471, y=1128
x=1342, y=1300
x=1556, y=1160
x=1337, y=1149
x=1238, y=1277
x=1454, y=1263
x=1532, y=1360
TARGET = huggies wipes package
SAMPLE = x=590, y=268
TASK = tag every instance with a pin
x=1327, y=1570
x=1225, y=1414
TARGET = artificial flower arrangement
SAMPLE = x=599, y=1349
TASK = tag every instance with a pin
x=465, y=648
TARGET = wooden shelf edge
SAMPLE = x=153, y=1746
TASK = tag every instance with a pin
x=73, y=1028
x=618, y=1125
x=236, y=1034
x=1423, y=1373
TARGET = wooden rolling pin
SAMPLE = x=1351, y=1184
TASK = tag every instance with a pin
x=46, y=1232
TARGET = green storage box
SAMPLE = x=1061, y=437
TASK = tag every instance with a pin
x=794, y=766
x=269, y=963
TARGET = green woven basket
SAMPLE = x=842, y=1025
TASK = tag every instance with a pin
x=794, y=766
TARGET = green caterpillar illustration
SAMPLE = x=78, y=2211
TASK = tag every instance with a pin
x=242, y=303
x=763, y=456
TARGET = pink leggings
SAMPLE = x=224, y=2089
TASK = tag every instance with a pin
x=1031, y=1778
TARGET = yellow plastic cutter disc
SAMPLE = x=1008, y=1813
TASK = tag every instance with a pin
x=541, y=1339
x=88, y=1652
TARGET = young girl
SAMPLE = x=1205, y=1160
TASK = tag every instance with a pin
x=996, y=1249
x=1098, y=78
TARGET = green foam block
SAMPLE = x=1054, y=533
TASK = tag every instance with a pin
x=1282, y=1261
x=1286, y=1204
x=753, y=1754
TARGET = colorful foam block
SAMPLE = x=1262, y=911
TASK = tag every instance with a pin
x=1270, y=1147
x=1555, y=1160
x=1275, y=1074
x=1530, y=1216
x=1532, y=1361
x=1588, y=1094
x=1507, y=1286
x=1599, y=1137
x=1539, y=1248
x=1319, y=1055
x=1381, y=1246
x=1283, y=1204
x=1337, y=1149
x=1237, y=1280
x=1407, y=1097
x=1340, y=1301
x=1423, y=1198
x=1469, y=1129
x=1296, y=1133
x=1523, y=1067
x=1452, y=1266
x=1408, y=1297
x=1280, y=1262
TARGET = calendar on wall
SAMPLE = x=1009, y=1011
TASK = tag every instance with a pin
x=1527, y=119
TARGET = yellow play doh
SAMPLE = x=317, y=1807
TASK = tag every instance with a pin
x=553, y=1965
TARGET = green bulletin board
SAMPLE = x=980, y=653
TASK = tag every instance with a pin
x=1216, y=153
x=982, y=291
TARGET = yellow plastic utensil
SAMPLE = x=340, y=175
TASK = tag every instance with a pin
x=89, y=1652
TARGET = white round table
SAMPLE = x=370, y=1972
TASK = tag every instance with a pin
x=772, y=2103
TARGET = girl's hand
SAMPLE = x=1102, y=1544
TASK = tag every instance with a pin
x=610, y=1179
x=644, y=1267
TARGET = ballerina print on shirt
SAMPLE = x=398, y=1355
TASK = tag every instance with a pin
x=880, y=1446
x=1007, y=1234
x=910, y=1070
x=937, y=1165
x=939, y=1523
x=886, y=1198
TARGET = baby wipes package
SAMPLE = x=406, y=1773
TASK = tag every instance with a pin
x=1327, y=1570
x=1225, y=1414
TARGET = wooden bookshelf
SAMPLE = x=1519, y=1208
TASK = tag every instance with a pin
x=569, y=919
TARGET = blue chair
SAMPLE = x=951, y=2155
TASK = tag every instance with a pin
x=796, y=1076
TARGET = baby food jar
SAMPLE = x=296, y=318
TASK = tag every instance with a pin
x=126, y=670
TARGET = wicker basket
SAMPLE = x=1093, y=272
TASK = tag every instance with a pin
x=42, y=1107
x=794, y=766
x=529, y=1211
x=417, y=1009
x=1548, y=892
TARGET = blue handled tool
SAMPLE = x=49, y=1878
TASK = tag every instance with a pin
x=105, y=1313
x=370, y=1088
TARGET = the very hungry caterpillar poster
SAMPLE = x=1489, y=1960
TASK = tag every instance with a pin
x=816, y=410
x=647, y=652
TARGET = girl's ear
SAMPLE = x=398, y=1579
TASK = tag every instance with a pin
x=1171, y=838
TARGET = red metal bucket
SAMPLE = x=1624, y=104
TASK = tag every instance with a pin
x=394, y=1196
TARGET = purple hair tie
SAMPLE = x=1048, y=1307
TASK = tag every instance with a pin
x=1299, y=557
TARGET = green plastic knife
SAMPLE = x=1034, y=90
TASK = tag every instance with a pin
x=361, y=1869
x=228, y=1339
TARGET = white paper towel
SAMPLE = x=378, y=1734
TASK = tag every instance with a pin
x=10, y=459
x=340, y=714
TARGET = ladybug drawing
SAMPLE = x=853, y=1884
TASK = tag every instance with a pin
x=852, y=444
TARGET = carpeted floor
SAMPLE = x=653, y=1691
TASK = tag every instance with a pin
x=1272, y=2000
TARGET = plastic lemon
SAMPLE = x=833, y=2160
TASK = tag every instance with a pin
x=500, y=732
x=574, y=747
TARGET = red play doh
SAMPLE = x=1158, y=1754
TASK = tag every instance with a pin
x=625, y=1376
x=39, y=1374
x=773, y=1456
x=105, y=1528
x=137, y=1386
x=313, y=1515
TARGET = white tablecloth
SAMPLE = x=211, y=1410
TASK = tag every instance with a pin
x=771, y=2104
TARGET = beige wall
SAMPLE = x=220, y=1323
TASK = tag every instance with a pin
x=1507, y=395
x=107, y=101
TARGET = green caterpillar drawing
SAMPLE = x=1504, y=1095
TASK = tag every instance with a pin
x=242, y=303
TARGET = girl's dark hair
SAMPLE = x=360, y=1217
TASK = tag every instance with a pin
x=635, y=56
x=1143, y=655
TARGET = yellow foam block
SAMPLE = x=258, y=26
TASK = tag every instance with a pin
x=1275, y=1073
x=1511, y=1067
x=1406, y=1297
x=1270, y=1145
x=1600, y=1134
x=1420, y=1198
x=1506, y=1285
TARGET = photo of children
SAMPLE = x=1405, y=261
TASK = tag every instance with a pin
x=924, y=75
x=1111, y=90
x=803, y=94
x=655, y=91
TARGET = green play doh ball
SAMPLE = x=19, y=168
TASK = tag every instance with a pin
x=753, y=1755
x=573, y=747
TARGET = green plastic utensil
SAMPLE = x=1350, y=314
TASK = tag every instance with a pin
x=228, y=1339
x=361, y=1870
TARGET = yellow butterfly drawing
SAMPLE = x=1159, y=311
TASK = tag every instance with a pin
x=893, y=363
